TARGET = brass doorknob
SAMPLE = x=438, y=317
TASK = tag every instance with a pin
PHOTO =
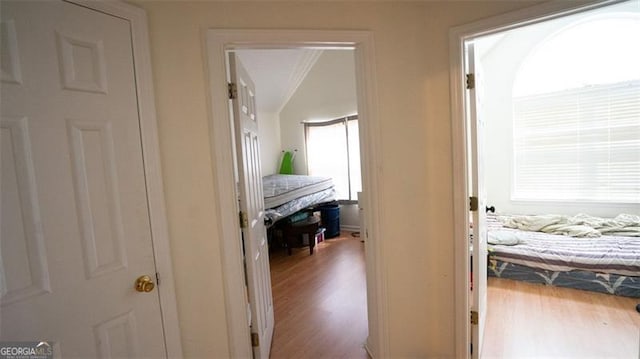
x=144, y=284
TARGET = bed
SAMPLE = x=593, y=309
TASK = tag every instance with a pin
x=285, y=195
x=606, y=263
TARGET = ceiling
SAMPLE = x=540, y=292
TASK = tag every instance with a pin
x=277, y=73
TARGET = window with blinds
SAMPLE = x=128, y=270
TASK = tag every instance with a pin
x=333, y=150
x=579, y=144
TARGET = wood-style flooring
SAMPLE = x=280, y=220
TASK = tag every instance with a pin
x=527, y=320
x=320, y=312
x=320, y=300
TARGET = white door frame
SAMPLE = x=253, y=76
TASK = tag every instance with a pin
x=151, y=156
x=459, y=127
x=217, y=42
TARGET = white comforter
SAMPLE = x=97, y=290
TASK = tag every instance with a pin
x=581, y=225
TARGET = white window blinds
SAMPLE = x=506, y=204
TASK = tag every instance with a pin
x=333, y=150
x=579, y=144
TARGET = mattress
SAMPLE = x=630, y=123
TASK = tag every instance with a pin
x=280, y=189
x=606, y=254
x=291, y=207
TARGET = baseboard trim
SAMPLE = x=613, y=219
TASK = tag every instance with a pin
x=350, y=228
x=366, y=348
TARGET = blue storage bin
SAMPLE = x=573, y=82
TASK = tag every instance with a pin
x=330, y=216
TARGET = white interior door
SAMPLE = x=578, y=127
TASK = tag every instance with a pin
x=478, y=217
x=252, y=206
x=75, y=229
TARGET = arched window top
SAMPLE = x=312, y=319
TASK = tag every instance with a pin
x=576, y=134
x=603, y=49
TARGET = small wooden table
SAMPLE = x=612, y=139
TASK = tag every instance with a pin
x=294, y=231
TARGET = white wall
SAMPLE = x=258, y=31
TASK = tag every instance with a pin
x=349, y=217
x=270, y=147
x=499, y=64
x=412, y=72
x=327, y=92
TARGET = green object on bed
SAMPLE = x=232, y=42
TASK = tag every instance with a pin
x=286, y=167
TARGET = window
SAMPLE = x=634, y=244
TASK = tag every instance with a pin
x=577, y=133
x=579, y=144
x=333, y=150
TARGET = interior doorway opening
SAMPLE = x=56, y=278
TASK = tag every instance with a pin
x=299, y=106
x=498, y=112
x=219, y=43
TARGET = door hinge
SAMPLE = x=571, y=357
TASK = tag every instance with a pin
x=473, y=204
x=474, y=317
x=255, y=340
x=471, y=81
x=232, y=88
x=244, y=221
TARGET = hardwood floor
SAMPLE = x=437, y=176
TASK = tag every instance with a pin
x=527, y=320
x=320, y=300
x=320, y=311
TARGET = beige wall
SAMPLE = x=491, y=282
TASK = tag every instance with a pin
x=412, y=64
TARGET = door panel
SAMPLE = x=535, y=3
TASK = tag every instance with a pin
x=75, y=223
x=25, y=271
x=252, y=204
x=478, y=217
x=96, y=190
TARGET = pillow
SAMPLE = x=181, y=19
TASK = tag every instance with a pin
x=506, y=238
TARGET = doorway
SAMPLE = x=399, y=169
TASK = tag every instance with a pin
x=305, y=103
x=218, y=43
x=463, y=40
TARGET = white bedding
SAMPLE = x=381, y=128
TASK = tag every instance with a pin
x=581, y=225
x=614, y=254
